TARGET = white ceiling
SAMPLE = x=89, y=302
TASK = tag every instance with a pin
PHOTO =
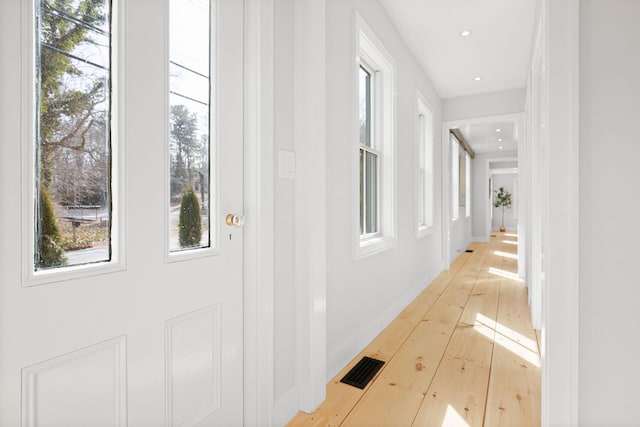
x=498, y=49
x=484, y=137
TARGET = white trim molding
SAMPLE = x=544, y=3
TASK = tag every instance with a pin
x=446, y=196
x=310, y=201
x=560, y=346
x=532, y=183
x=259, y=213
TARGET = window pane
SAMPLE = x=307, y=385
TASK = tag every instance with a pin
x=455, y=176
x=73, y=146
x=421, y=197
x=468, y=185
x=371, y=192
x=365, y=107
x=462, y=170
x=189, y=205
x=362, y=196
x=421, y=141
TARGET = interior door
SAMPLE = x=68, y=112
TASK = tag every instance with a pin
x=143, y=327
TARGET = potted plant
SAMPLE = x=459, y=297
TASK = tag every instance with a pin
x=502, y=200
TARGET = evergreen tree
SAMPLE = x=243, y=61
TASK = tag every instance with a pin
x=190, y=224
x=184, y=143
x=49, y=253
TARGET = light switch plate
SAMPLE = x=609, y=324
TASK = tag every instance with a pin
x=286, y=164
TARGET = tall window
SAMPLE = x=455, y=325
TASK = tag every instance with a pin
x=189, y=115
x=455, y=178
x=374, y=117
x=369, y=156
x=424, y=167
x=73, y=133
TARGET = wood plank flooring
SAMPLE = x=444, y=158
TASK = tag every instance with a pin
x=462, y=354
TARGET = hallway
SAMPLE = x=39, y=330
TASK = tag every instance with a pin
x=463, y=353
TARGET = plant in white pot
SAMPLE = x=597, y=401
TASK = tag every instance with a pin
x=502, y=200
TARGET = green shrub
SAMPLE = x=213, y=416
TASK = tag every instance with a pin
x=49, y=252
x=190, y=224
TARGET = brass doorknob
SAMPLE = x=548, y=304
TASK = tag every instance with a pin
x=234, y=220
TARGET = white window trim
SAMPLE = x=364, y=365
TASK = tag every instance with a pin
x=30, y=276
x=423, y=108
x=215, y=222
x=467, y=185
x=370, y=50
x=454, y=150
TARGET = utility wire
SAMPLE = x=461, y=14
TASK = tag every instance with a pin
x=189, y=69
x=57, y=12
x=206, y=104
x=72, y=56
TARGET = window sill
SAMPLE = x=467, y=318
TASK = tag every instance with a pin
x=424, y=231
x=374, y=245
x=63, y=274
x=189, y=254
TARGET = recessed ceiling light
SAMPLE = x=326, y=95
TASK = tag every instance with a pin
x=477, y=79
x=498, y=130
x=499, y=139
x=465, y=33
x=500, y=147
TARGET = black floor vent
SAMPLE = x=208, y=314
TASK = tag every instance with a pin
x=360, y=375
x=469, y=251
x=493, y=235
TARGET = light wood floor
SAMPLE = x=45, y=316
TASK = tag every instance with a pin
x=462, y=354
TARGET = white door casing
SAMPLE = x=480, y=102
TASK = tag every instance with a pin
x=153, y=342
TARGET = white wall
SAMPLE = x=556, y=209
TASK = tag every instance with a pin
x=483, y=105
x=460, y=233
x=504, y=180
x=363, y=296
x=609, y=205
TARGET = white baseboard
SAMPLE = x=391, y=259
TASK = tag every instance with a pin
x=349, y=348
x=286, y=407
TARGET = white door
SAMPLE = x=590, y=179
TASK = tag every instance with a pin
x=118, y=318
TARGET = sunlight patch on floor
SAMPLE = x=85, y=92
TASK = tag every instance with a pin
x=511, y=235
x=510, y=242
x=505, y=274
x=511, y=340
x=506, y=254
x=453, y=419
